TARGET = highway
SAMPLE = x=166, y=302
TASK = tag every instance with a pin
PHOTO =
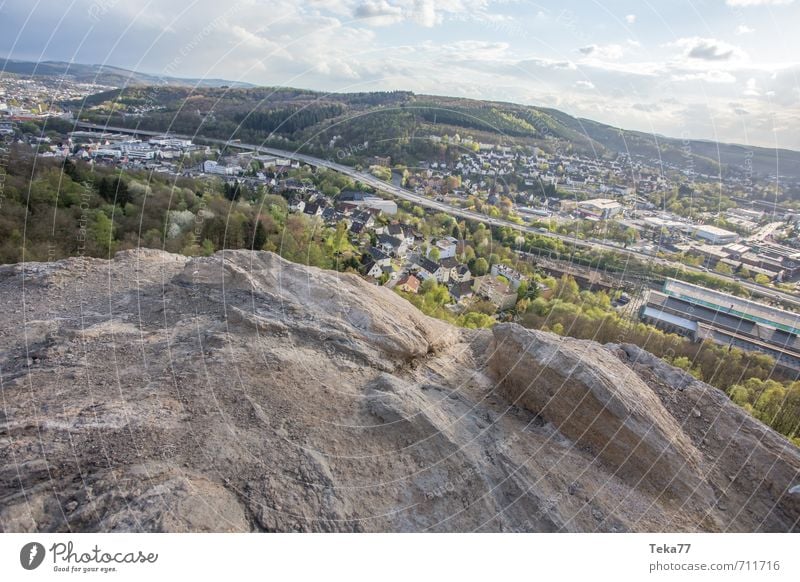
x=405, y=194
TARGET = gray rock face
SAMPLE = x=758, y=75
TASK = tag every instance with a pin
x=602, y=405
x=240, y=392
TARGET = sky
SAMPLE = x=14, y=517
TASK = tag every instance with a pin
x=726, y=70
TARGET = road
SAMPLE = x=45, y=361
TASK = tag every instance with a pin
x=425, y=202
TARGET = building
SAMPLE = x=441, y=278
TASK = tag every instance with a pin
x=495, y=291
x=461, y=291
x=427, y=268
x=715, y=235
x=362, y=200
x=409, y=284
x=514, y=277
x=705, y=314
x=212, y=167
x=167, y=141
x=600, y=208
x=446, y=247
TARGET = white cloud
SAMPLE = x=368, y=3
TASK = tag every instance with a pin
x=744, y=29
x=708, y=49
x=630, y=18
x=426, y=13
x=712, y=76
x=608, y=52
x=758, y=2
x=378, y=12
x=585, y=84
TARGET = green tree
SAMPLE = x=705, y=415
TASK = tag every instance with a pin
x=259, y=236
x=761, y=279
x=481, y=267
x=102, y=233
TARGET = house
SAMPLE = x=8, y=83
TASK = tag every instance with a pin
x=368, y=218
x=379, y=257
x=461, y=290
x=392, y=245
x=401, y=232
x=409, y=284
x=446, y=247
x=450, y=266
x=429, y=268
x=313, y=209
x=357, y=227
x=296, y=205
x=330, y=216
x=370, y=268
x=460, y=274
x=389, y=270
x=496, y=292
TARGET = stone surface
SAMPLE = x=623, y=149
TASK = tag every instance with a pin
x=240, y=392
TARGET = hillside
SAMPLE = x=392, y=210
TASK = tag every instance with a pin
x=398, y=124
x=241, y=392
x=107, y=75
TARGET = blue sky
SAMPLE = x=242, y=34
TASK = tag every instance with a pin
x=714, y=69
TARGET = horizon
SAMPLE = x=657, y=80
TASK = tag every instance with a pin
x=717, y=75
x=248, y=85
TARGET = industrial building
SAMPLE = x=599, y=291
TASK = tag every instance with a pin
x=362, y=200
x=715, y=235
x=704, y=314
x=601, y=208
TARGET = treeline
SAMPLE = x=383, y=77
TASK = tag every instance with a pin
x=52, y=210
x=748, y=377
x=773, y=403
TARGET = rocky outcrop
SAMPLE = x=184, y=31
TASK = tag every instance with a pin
x=602, y=405
x=240, y=392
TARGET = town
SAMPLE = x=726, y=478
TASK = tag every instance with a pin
x=622, y=203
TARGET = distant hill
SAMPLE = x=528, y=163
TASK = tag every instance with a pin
x=104, y=74
x=394, y=123
x=399, y=123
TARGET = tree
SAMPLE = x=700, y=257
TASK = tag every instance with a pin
x=481, y=267
x=475, y=320
x=339, y=240
x=102, y=232
x=434, y=254
x=723, y=269
x=259, y=236
x=114, y=190
x=761, y=279
x=428, y=285
x=207, y=248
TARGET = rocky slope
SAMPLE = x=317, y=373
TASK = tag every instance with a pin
x=240, y=392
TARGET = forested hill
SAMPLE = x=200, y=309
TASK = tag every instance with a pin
x=106, y=75
x=399, y=123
